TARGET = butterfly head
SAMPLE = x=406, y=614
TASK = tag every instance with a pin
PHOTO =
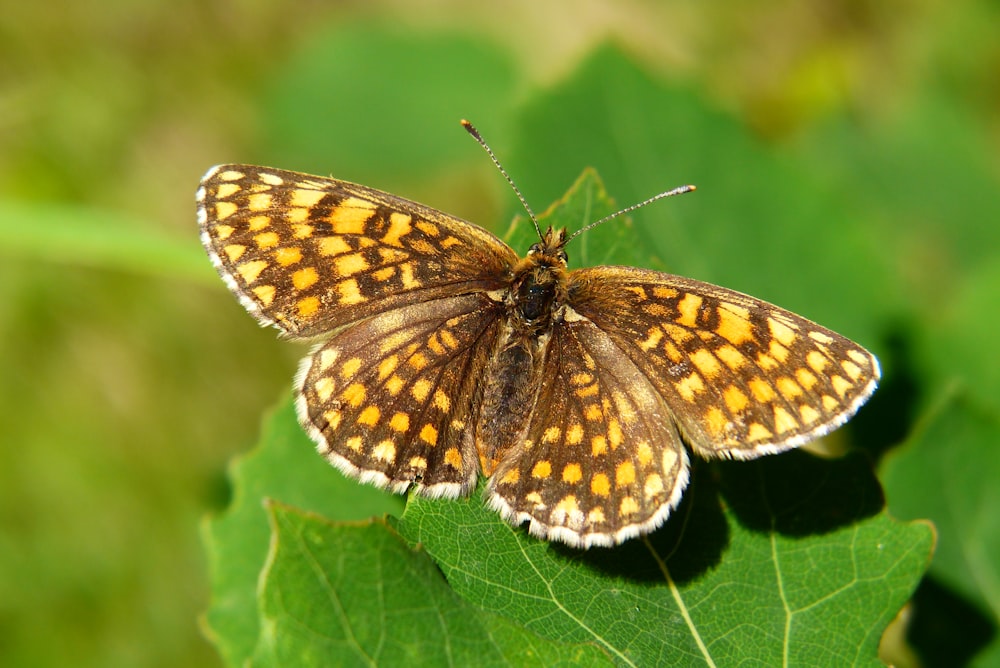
x=551, y=250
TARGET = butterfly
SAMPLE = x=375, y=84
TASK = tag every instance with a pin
x=442, y=354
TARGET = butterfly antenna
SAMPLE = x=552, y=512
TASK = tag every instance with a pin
x=680, y=190
x=482, y=142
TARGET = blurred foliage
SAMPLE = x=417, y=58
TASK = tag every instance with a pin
x=846, y=159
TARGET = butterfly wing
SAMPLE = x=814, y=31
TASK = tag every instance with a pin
x=602, y=461
x=308, y=254
x=741, y=377
x=388, y=399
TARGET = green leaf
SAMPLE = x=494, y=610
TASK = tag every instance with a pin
x=286, y=467
x=586, y=202
x=93, y=238
x=418, y=84
x=800, y=542
x=948, y=472
x=785, y=560
x=356, y=594
x=960, y=341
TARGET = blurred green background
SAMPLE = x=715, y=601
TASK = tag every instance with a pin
x=846, y=155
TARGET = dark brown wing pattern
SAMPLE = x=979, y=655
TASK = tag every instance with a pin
x=389, y=400
x=444, y=354
x=741, y=377
x=603, y=460
x=308, y=254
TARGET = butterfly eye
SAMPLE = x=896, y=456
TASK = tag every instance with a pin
x=563, y=257
x=535, y=249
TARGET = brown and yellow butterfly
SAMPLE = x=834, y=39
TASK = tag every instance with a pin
x=443, y=354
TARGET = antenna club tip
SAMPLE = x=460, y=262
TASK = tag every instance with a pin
x=470, y=128
x=691, y=188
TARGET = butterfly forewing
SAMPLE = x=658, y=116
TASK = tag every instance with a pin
x=742, y=377
x=308, y=254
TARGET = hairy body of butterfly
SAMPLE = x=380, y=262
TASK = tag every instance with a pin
x=532, y=306
x=443, y=354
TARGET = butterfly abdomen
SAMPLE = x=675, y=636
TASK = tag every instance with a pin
x=509, y=392
x=532, y=306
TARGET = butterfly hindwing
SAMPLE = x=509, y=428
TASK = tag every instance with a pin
x=388, y=400
x=602, y=460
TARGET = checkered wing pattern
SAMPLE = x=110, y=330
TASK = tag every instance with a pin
x=308, y=254
x=741, y=377
x=389, y=399
x=444, y=355
x=603, y=460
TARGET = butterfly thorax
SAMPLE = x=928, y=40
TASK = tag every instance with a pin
x=538, y=290
x=534, y=304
